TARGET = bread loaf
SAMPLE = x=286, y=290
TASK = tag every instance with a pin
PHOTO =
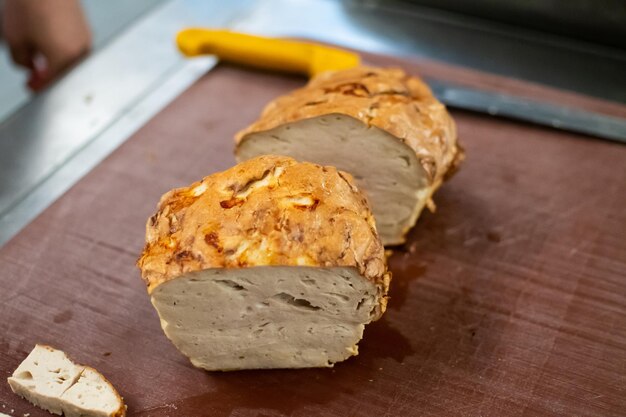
x=380, y=125
x=270, y=264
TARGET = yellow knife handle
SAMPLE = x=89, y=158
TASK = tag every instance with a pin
x=266, y=53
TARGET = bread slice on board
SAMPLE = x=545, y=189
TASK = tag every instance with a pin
x=380, y=125
x=50, y=380
x=270, y=264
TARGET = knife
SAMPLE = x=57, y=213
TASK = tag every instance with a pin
x=311, y=59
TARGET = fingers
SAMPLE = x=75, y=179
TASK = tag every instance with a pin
x=26, y=56
x=43, y=68
x=63, y=36
x=22, y=55
x=40, y=76
x=46, y=37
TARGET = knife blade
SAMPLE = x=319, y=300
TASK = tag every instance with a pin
x=534, y=111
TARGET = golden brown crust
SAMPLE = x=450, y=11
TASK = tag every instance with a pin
x=386, y=98
x=270, y=210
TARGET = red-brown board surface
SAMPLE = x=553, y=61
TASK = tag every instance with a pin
x=510, y=300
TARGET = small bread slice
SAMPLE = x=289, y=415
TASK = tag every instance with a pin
x=380, y=125
x=50, y=380
x=270, y=264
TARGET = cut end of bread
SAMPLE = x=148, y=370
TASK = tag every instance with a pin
x=397, y=185
x=267, y=317
x=50, y=380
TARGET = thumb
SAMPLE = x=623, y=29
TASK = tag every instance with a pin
x=26, y=57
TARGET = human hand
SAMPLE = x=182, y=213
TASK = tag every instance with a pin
x=45, y=36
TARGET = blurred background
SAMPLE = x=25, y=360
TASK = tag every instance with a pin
x=49, y=139
x=106, y=19
x=571, y=44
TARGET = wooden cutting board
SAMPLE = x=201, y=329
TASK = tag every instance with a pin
x=510, y=300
